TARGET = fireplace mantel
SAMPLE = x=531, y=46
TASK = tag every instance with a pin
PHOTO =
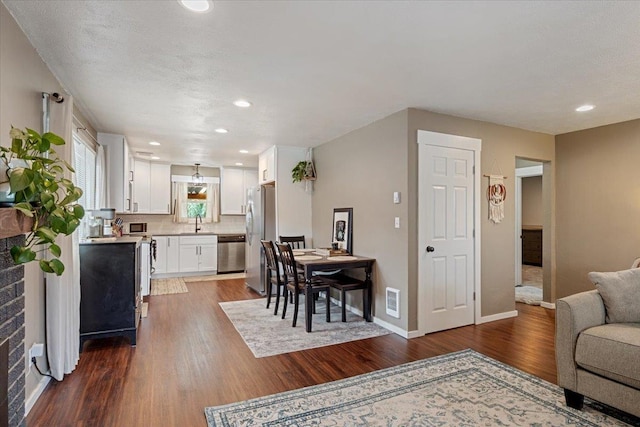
x=13, y=223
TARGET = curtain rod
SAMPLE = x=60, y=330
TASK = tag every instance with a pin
x=84, y=128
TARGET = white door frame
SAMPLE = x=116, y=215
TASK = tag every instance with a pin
x=475, y=145
x=521, y=173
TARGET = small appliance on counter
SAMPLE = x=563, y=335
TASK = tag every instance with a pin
x=138, y=228
x=99, y=223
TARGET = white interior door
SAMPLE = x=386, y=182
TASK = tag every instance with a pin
x=447, y=247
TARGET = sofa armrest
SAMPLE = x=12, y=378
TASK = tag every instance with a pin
x=574, y=314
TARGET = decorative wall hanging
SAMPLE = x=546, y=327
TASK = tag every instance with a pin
x=496, y=195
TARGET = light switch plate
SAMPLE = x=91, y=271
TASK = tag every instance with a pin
x=396, y=197
x=397, y=222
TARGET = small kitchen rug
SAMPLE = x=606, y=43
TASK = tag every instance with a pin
x=225, y=276
x=267, y=334
x=462, y=388
x=172, y=285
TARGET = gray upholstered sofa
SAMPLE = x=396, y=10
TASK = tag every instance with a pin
x=598, y=342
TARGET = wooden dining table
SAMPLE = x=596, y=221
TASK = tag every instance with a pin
x=333, y=263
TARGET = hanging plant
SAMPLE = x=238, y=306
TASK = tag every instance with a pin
x=303, y=171
x=36, y=178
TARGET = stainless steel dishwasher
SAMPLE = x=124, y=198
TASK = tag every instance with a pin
x=231, y=253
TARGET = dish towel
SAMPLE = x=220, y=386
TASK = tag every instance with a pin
x=496, y=194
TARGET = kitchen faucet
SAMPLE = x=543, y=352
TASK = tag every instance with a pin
x=198, y=228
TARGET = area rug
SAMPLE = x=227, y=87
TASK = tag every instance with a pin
x=145, y=309
x=172, y=285
x=458, y=389
x=225, y=276
x=529, y=294
x=266, y=334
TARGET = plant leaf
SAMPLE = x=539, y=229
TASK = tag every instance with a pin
x=46, y=234
x=44, y=266
x=20, y=178
x=22, y=255
x=55, y=250
x=78, y=211
x=52, y=138
x=57, y=266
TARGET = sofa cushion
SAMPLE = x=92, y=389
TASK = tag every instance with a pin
x=620, y=292
x=611, y=351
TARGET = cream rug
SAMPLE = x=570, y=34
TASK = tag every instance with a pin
x=172, y=285
x=531, y=290
x=226, y=276
x=267, y=334
x=145, y=309
x=459, y=389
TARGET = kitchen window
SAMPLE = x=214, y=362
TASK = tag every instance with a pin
x=193, y=200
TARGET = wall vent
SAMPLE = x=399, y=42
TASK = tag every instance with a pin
x=393, y=302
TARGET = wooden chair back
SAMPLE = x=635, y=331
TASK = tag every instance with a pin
x=271, y=257
x=296, y=242
x=288, y=263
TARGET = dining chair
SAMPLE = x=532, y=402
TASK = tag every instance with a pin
x=273, y=277
x=296, y=242
x=344, y=284
x=296, y=286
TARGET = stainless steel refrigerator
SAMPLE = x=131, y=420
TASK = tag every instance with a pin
x=260, y=224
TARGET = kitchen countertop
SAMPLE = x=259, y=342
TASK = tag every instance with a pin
x=197, y=234
x=107, y=240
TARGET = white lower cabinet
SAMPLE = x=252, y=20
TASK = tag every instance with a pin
x=167, y=254
x=198, y=253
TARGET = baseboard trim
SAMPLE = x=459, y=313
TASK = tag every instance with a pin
x=549, y=305
x=388, y=326
x=36, y=393
x=497, y=316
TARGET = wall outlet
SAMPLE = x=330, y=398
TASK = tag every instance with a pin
x=396, y=197
x=36, y=350
x=397, y=222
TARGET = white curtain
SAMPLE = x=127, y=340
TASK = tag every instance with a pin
x=213, y=195
x=181, y=190
x=63, y=292
x=101, y=179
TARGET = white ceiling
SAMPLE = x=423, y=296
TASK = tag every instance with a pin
x=315, y=70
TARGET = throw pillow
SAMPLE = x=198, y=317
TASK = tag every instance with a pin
x=620, y=292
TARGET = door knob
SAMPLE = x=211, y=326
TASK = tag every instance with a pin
x=430, y=249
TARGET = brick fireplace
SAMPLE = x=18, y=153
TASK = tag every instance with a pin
x=12, y=326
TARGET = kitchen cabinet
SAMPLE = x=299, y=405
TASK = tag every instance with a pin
x=152, y=187
x=145, y=268
x=267, y=166
x=198, y=253
x=110, y=293
x=167, y=254
x=233, y=192
x=119, y=171
x=120, y=167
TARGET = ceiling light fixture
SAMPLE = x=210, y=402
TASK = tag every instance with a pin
x=199, y=6
x=244, y=151
x=585, y=107
x=154, y=143
x=155, y=158
x=196, y=178
x=221, y=130
x=242, y=103
x=238, y=164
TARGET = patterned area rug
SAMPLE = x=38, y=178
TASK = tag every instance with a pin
x=458, y=389
x=268, y=335
x=226, y=276
x=173, y=285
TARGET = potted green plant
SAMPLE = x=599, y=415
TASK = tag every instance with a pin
x=303, y=171
x=36, y=178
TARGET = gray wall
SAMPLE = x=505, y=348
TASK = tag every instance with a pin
x=532, y=212
x=598, y=203
x=23, y=77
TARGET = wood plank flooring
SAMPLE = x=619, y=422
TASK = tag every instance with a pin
x=189, y=356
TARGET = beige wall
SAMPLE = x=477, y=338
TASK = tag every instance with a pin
x=23, y=77
x=532, y=212
x=361, y=170
x=598, y=203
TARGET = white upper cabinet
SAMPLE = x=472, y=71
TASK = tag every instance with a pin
x=267, y=166
x=152, y=187
x=233, y=189
x=119, y=171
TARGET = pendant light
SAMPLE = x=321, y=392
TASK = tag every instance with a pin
x=196, y=177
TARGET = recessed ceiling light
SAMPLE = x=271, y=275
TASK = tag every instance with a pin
x=155, y=158
x=199, y=6
x=584, y=108
x=221, y=130
x=244, y=151
x=154, y=143
x=238, y=164
x=242, y=103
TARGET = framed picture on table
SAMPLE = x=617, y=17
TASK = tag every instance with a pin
x=342, y=236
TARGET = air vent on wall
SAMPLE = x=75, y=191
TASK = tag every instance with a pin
x=393, y=302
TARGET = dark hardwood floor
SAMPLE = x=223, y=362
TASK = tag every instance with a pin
x=189, y=356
